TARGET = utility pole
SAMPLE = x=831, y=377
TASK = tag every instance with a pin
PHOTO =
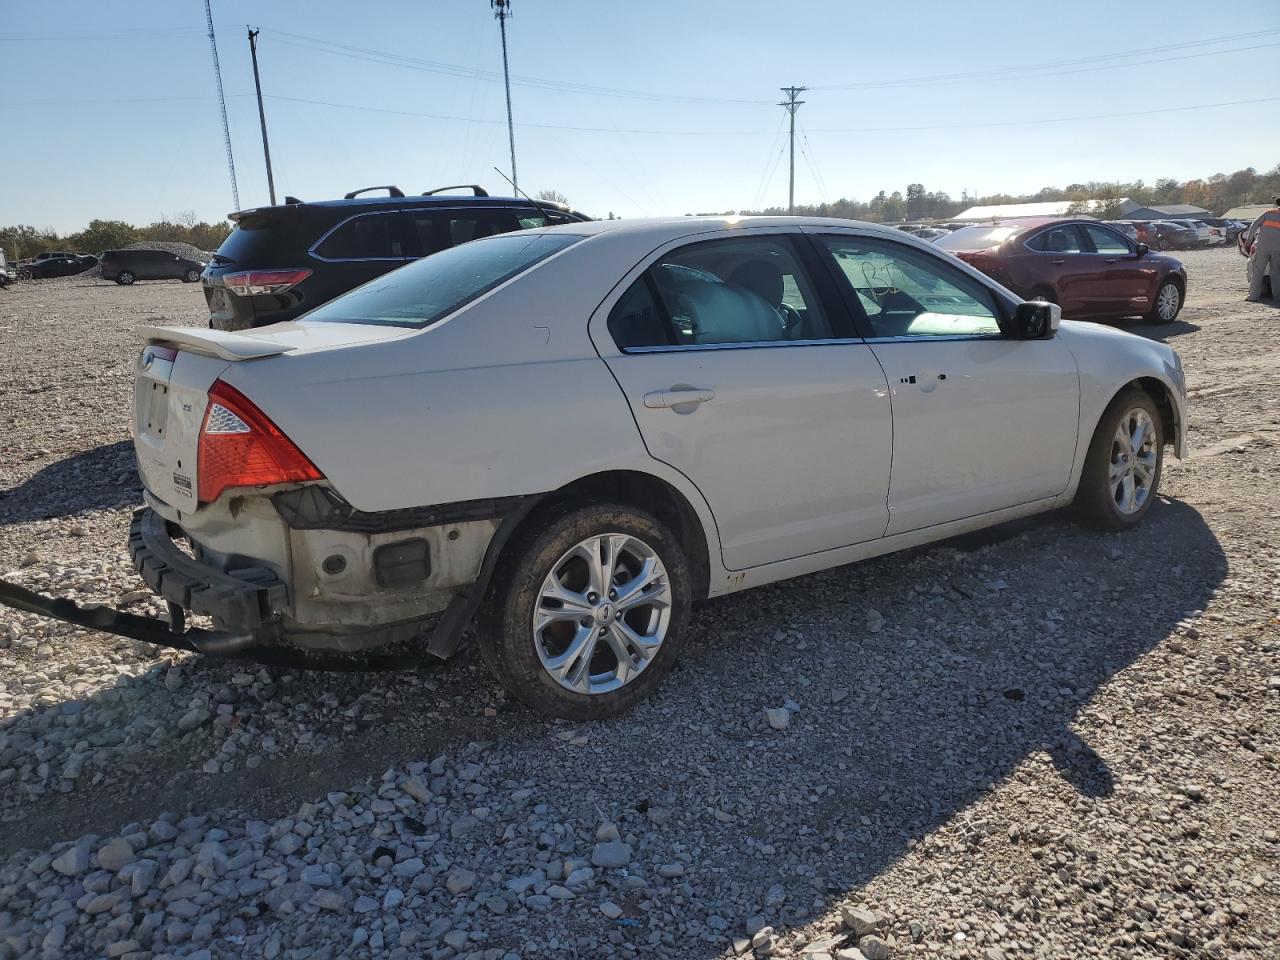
x=222, y=102
x=792, y=104
x=262, y=116
x=502, y=10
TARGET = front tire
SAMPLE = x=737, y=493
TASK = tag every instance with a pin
x=587, y=610
x=1122, y=468
x=191, y=276
x=1168, y=302
x=125, y=278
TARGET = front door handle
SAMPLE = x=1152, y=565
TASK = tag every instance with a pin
x=1058, y=262
x=677, y=397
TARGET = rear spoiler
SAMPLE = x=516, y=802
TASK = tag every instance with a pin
x=214, y=343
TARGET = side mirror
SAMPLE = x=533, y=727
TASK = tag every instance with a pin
x=1036, y=320
x=1143, y=250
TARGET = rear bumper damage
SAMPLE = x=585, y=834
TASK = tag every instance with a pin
x=249, y=601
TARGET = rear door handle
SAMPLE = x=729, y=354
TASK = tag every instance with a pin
x=677, y=397
x=1059, y=262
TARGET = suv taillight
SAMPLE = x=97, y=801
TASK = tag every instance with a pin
x=251, y=282
x=240, y=447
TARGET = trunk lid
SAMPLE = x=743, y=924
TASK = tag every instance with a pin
x=174, y=373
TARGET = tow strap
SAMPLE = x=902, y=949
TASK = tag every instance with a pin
x=176, y=636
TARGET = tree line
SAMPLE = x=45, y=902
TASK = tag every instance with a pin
x=1217, y=194
x=23, y=241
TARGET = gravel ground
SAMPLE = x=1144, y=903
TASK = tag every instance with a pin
x=1036, y=742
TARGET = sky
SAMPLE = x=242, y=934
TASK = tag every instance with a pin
x=643, y=109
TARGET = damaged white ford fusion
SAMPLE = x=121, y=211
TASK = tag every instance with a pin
x=570, y=435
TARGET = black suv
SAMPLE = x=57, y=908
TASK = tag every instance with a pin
x=279, y=262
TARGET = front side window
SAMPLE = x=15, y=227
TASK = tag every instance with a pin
x=742, y=290
x=1064, y=239
x=431, y=288
x=910, y=293
x=373, y=236
x=1106, y=241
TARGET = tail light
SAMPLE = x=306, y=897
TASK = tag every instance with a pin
x=249, y=283
x=240, y=447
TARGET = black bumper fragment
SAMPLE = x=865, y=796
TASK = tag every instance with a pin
x=245, y=600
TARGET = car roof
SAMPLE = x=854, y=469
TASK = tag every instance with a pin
x=410, y=201
x=671, y=228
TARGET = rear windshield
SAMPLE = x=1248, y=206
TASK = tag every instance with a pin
x=425, y=291
x=976, y=238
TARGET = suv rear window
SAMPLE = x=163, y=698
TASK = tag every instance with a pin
x=425, y=291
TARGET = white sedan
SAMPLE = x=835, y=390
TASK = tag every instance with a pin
x=572, y=434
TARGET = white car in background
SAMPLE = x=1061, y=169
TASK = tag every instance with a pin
x=577, y=432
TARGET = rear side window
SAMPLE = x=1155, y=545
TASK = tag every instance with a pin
x=431, y=288
x=373, y=236
x=1062, y=239
x=735, y=291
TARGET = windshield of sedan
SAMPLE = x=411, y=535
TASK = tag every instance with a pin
x=421, y=293
x=977, y=237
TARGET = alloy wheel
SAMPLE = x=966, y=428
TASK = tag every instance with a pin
x=1167, y=302
x=602, y=613
x=1134, y=456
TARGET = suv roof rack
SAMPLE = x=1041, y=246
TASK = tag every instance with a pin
x=391, y=191
x=477, y=190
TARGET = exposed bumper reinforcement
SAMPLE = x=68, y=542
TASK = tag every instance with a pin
x=244, y=601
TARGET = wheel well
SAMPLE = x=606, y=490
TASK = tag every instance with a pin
x=1159, y=394
x=1177, y=280
x=657, y=497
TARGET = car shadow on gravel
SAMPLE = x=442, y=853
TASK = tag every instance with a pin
x=916, y=683
x=99, y=479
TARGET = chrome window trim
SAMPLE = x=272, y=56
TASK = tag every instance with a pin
x=687, y=347
x=311, y=251
x=935, y=338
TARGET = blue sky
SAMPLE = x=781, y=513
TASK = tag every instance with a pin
x=869, y=122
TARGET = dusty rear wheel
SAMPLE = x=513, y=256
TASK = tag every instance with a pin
x=587, y=611
x=1122, y=469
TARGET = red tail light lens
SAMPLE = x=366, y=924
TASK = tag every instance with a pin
x=252, y=282
x=240, y=447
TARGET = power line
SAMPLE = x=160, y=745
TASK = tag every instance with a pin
x=457, y=70
x=1020, y=123
x=791, y=105
x=262, y=114
x=502, y=10
x=139, y=35
x=1049, y=69
x=222, y=103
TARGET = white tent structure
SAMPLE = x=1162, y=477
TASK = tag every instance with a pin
x=1045, y=208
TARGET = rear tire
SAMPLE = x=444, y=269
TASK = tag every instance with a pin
x=555, y=627
x=1120, y=480
x=1168, y=302
x=125, y=278
x=1046, y=294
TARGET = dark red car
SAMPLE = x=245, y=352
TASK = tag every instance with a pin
x=1086, y=267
